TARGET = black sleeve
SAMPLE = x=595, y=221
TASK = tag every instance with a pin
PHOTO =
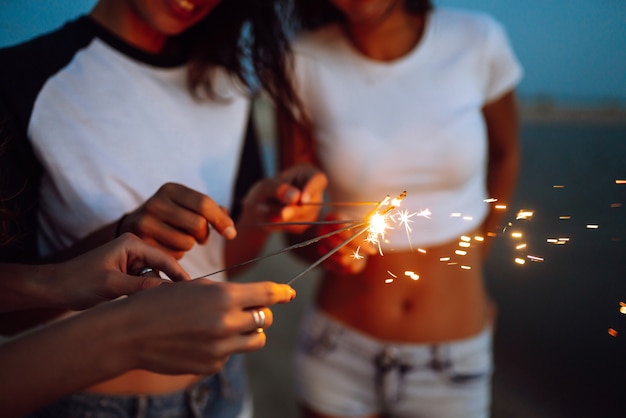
x=250, y=167
x=19, y=185
x=24, y=69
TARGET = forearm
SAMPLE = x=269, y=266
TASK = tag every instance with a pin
x=28, y=297
x=60, y=359
x=503, y=131
x=24, y=287
x=12, y=323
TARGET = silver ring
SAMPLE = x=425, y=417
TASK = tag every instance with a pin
x=147, y=270
x=259, y=319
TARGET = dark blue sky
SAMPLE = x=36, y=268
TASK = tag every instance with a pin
x=573, y=51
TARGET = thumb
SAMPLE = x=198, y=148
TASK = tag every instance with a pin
x=125, y=284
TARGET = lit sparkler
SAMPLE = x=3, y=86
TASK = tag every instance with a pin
x=375, y=224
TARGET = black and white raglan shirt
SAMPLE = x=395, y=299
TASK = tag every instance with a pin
x=96, y=126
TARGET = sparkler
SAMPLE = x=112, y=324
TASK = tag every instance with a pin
x=289, y=248
x=374, y=224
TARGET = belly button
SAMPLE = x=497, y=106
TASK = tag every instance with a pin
x=407, y=305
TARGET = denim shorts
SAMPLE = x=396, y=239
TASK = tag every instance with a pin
x=222, y=395
x=343, y=372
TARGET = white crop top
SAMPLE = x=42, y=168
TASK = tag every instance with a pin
x=414, y=124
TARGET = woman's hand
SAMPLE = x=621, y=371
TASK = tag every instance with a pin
x=193, y=327
x=176, y=217
x=108, y=272
x=284, y=198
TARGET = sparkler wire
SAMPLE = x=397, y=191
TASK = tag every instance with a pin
x=339, y=203
x=328, y=222
x=327, y=255
x=352, y=224
x=289, y=248
x=365, y=227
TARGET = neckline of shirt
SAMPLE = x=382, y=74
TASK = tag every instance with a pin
x=170, y=57
x=397, y=64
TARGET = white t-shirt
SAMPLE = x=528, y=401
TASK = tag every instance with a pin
x=110, y=130
x=414, y=124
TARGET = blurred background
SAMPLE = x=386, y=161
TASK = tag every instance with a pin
x=560, y=343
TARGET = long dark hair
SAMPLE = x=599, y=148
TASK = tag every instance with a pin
x=312, y=14
x=248, y=38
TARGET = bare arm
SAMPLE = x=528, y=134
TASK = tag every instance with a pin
x=97, y=276
x=503, y=132
x=173, y=219
x=33, y=294
x=180, y=328
x=272, y=200
x=296, y=146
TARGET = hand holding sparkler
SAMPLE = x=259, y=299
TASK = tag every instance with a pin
x=175, y=218
x=275, y=204
x=200, y=323
x=374, y=224
x=283, y=199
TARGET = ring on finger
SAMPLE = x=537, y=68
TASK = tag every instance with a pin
x=148, y=271
x=259, y=319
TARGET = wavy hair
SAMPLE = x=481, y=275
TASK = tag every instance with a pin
x=249, y=39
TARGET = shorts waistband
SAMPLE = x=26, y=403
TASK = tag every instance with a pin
x=338, y=333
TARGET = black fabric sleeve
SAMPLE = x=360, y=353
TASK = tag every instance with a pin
x=20, y=174
x=24, y=70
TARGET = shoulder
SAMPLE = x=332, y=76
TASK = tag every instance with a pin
x=49, y=50
x=27, y=66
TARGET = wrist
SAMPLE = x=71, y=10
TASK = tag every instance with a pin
x=45, y=287
x=115, y=351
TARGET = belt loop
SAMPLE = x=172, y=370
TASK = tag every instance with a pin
x=389, y=366
x=440, y=357
x=197, y=398
x=142, y=406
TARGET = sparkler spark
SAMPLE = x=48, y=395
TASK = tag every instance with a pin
x=375, y=225
x=356, y=254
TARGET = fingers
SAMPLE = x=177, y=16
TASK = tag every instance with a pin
x=279, y=199
x=176, y=217
x=144, y=255
x=251, y=295
x=245, y=343
x=305, y=184
x=124, y=284
x=223, y=348
x=203, y=206
x=249, y=305
x=314, y=188
x=262, y=318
